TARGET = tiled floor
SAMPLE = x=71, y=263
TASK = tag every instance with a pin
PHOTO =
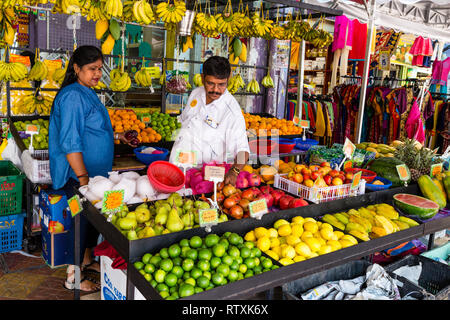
x=30, y=278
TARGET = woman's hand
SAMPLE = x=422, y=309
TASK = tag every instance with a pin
x=131, y=141
x=230, y=177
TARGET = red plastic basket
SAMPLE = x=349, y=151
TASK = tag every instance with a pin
x=366, y=174
x=165, y=176
x=262, y=146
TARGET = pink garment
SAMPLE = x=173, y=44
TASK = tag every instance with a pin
x=421, y=46
x=414, y=124
x=440, y=72
x=343, y=33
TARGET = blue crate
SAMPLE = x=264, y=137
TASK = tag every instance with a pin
x=305, y=145
x=11, y=231
x=149, y=158
x=377, y=187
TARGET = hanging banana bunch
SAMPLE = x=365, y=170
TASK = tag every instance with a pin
x=227, y=22
x=277, y=32
x=296, y=30
x=236, y=82
x=39, y=71
x=246, y=29
x=7, y=29
x=144, y=12
x=267, y=81
x=261, y=26
x=113, y=9
x=322, y=37
x=198, y=82
x=142, y=77
x=120, y=80
x=205, y=21
x=59, y=74
x=95, y=11
x=171, y=13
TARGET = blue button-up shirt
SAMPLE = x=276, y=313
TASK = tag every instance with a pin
x=79, y=122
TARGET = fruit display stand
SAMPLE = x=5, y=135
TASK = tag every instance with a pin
x=132, y=251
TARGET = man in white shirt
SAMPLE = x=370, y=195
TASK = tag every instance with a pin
x=212, y=123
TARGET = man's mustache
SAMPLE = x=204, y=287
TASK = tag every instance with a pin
x=212, y=92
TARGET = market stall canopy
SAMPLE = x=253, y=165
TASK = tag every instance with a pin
x=429, y=18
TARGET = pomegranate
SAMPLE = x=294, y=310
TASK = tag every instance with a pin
x=244, y=204
x=229, y=202
x=276, y=194
x=297, y=202
x=248, y=194
x=285, y=202
x=268, y=197
x=236, y=212
x=228, y=190
x=220, y=197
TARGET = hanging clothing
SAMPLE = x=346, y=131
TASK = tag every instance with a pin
x=343, y=33
x=440, y=71
x=414, y=126
x=420, y=48
x=358, y=50
x=320, y=124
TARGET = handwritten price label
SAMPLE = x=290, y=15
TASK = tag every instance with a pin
x=258, y=208
x=32, y=128
x=403, y=172
x=213, y=173
x=186, y=158
x=349, y=148
x=436, y=169
x=356, y=180
x=75, y=205
x=208, y=217
x=113, y=201
x=304, y=124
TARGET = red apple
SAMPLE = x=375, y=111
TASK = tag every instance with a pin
x=349, y=175
x=266, y=188
x=333, y=173
x=254, y=180
x=337, y=181
x=325, y=164
x=256, y=192
x=297, y=202
x=328, y=179
x=315, y=175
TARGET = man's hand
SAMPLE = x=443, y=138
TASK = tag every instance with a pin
x=230, y=177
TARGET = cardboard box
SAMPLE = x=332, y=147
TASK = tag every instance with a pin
x=54, y=210
x=57, y=248
x=114, y=282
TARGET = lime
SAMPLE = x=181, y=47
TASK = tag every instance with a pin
x=219, y=250
x=207, y=274
x=257, y=269
x=174, y=250
x=171, y=280
x=196, y=272
x=171, y=297
x=248, y=274
x=234, y=238
x=226, y=234
x=257, y=261
x=223, y=269
x=225, y=243
x=228, y=260
x=155, y=260
x=187, y=264
x=146, y=258
x=234, y=265
x=190, y=281
x=149, y=268
x=139, y=265
x=205, y=254
x=192, y=254
x=250, y=263
x=198, y=290
x=184, y=251
x=148, y=277
x=203, y=265
x=162, y=287
x=160, y=275
x=166, y=265
x=195, y=242
x=164, y=294
x=233, y=275
x=175, y=294
x=186, y=275
x=211, y=240
x=267, y=263
x=164, y=253
x=249, y=244
x=234, y=252
x=202, y=282
x=275, y=267
x=142, y=272
x=178, y=271
x=184, y=243
x=243, y=268
x=173, y=289
x=256, y=252
x=153, y=283
x=215, y=261
x=245, y=252
x=217, y=278
x=177, y=261
x=186, y=290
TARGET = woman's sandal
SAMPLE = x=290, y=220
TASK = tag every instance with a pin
x=69, y=284
x=86, y=268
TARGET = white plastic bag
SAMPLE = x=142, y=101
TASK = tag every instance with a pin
x=12, y=152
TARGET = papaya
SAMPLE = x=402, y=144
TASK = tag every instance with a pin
x=440, y=184
x=446, y=181
x=431, y=191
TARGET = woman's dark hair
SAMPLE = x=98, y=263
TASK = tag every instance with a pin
x=218, y=67
x=81, y=56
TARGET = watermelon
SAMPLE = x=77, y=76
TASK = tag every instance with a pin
x=417, y=206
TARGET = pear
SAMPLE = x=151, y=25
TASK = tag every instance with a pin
x=223, y=217
x=132, y=235
x=188, y=219
x=196, y=217
x=142, y=215
x=141, y=233
x=165, y=231
x=149, y=232
x=161, y=215
x=203, y=205
x=141, y=206
x=131, y=214
x=127, y=223
x=158, y=229
x=174, y=223
x=149, y=223
x=188, y=204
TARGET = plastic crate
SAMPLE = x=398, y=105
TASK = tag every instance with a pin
x=442, y=252
x=11, y=188
x=350, y=270
x=11, y=231
x=434, y=278
x=36, y=166
x=318, y=195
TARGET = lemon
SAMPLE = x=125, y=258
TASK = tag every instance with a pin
x=284, y=230
x=292, y=240
x=306, y=235
x=279, y=223
x=313, y=244
x=282, y=240
x=296, y=229
x=274, y=242
x=325, y=249
x=326, y=226
x=250, y=236
x=338, y=234
x=288, y=252
x=349, y=237
x=317, y=234
x=276, y=250
x=299, y=258
x=313, y=254
x=263, y=244
x=319, y=224
x=326, y=233
x=272, y=254
x=334, y=244
x=346, y=243
x=302, y=249
x=298, y=219
x=286, y=261
x=273, y=233
x=309, y=219
x=310, y=226
x=261, y=232
x=321, y=241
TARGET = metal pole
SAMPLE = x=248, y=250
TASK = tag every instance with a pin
x=362, y=97
x=301, y=77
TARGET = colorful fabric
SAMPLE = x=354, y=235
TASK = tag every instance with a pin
x=343, y=33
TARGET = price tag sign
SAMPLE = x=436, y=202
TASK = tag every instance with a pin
x=32, y=129
x=304, y=124
x=214, y=173
x=436, y=169
x=349, y=148
x=258, y=208
x=113, y=201
x=186, y=158
x=208, y=217
x=75, y=205
x=348, y=165
x=296, y=120
x=356, y=180
x=403, y=172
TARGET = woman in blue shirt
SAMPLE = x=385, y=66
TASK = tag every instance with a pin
x=81, y=141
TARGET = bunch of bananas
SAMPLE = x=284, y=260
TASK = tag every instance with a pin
x=143, y=77
x=143, y=12
x=171, y=12
x=100, y=85
x=323, y=39
x=67, y=6
x=7, y=31
x=236, y=82
x=267, y=81
x=29, y=104
x=95, y=11
x=205, y=22
x=120, y=81
x=253, y=87
x=246, y=25
x=198, y=82
x=296, y=31
x=113, y=8
x=277, y=32
x=261, y=26
x=186, y=43
x=13, y=71
x=8, y=3
x=38, y=72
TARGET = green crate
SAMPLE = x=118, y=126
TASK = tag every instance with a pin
x=11, y=188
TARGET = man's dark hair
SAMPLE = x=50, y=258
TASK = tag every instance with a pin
x=218, y=67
